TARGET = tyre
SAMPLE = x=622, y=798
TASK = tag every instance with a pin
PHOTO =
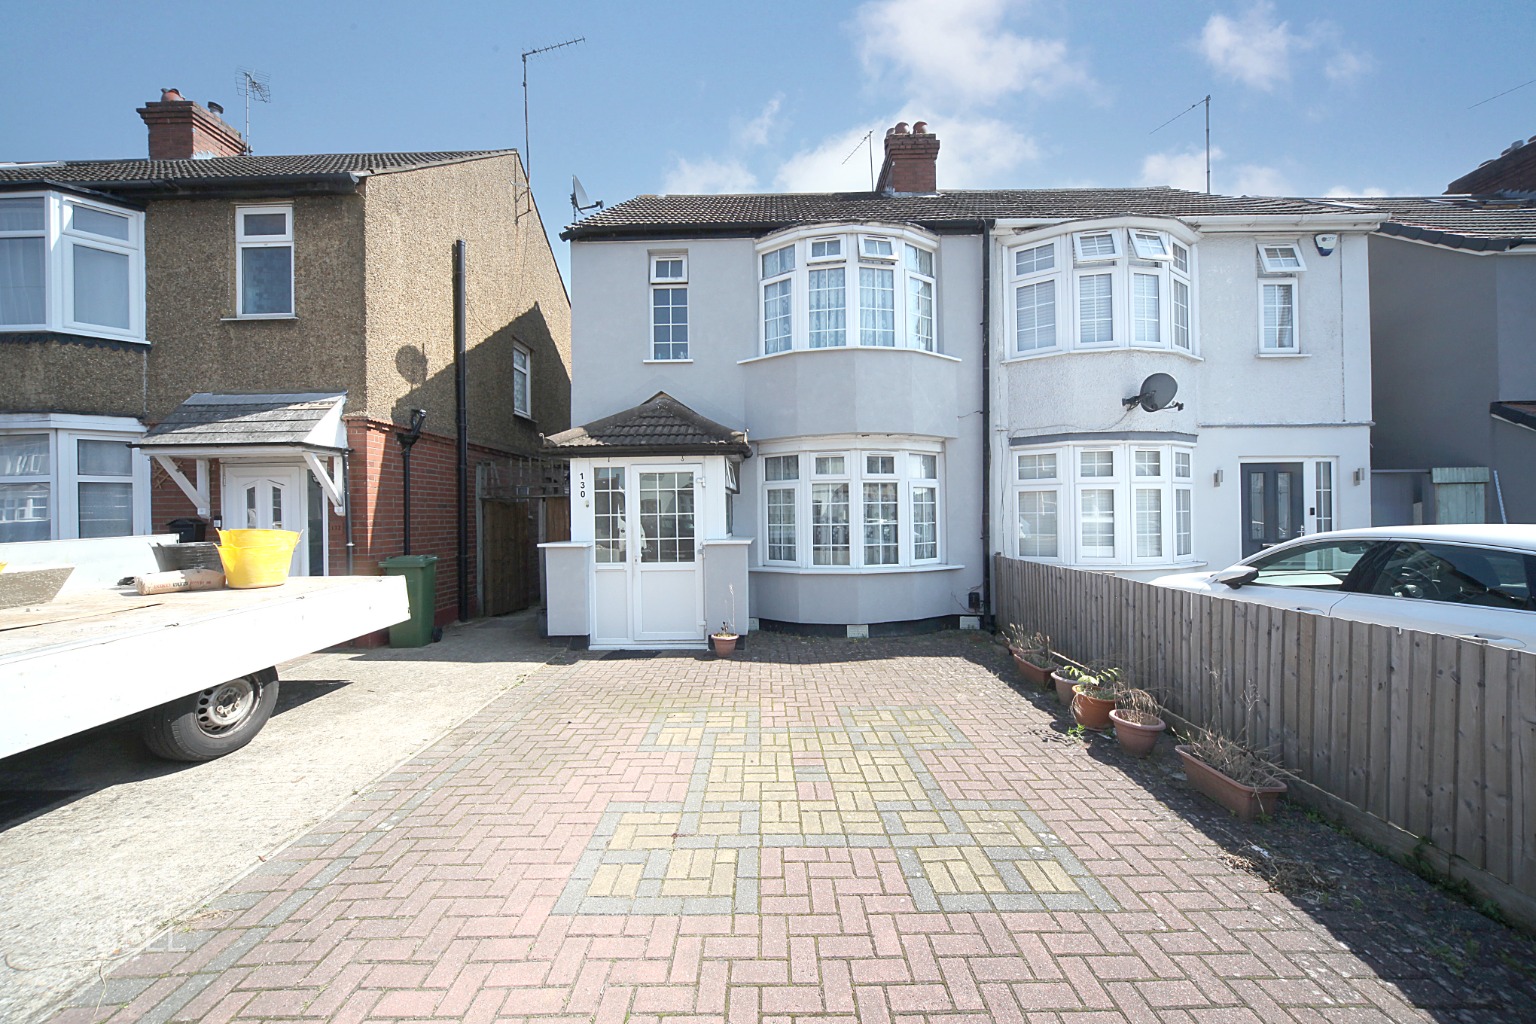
x=212, y=722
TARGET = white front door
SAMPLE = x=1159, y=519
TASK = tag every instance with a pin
x=268, y=498
x=647, y=586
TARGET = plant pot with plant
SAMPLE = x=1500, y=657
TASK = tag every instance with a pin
x=723, y=641
x=1138, y=721
x=1246, y=782
x=1094, y=692
x=1032, y=654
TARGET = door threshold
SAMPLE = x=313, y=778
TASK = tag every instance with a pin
x=665, y=645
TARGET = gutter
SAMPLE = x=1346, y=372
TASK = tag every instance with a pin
x=245, y=186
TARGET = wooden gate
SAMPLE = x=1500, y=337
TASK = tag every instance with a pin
x=511, y=555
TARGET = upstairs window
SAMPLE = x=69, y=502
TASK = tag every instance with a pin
x=1280, y=268
x=1280, y=257
x=264, y=277
x=669, y=307
x=71, y=265
x=522, y=381
x=831, y=291
x=1114, y=288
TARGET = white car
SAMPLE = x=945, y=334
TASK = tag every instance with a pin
x=1476, y=582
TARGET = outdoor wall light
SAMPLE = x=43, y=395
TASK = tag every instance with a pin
x=1216, y=478
x=1359, y=477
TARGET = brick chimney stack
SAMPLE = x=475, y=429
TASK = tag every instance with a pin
x=911, y=160
x=180, y=129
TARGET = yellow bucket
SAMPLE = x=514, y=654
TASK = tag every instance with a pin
x=256, y=558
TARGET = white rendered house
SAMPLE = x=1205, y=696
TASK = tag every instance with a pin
x=920, y=379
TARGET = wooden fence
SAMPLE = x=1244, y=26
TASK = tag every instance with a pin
x=1424, y=743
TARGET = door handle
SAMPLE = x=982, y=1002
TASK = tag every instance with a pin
x=1309, y=611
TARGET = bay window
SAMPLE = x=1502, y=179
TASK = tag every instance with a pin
x=72, y=265
x=830, y=290
x=1103, y=288
x=866, y=509
x=1128, y=503
x=71, y=476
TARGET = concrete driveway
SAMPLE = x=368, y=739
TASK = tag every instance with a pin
x=823, y=829
x=132, y=843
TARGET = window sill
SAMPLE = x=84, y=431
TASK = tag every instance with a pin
x=248, y=319
x=26, y=334
x=843, y=570
x=849, y=348
x=664, y=362
x=1048, y=353
x=1284, y=355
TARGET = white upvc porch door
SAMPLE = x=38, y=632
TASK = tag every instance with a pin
x=647, y=586
x=268, y=498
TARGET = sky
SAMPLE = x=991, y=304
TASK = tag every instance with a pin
x=1360, y=97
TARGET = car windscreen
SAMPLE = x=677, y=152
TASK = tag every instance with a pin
x=1324, y=565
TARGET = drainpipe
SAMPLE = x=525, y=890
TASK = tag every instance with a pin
x=986, y=423
x=461, y=422
x=346, y=484
x=408, y=438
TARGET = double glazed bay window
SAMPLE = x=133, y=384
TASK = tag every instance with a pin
x=64, y=484
x=863, y=509
x=1122, y=504
x=1106, y=288
x=836, y=290
x=71, y=265
x=264, y=249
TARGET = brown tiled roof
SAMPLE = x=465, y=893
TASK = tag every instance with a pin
x=758, y=213
x=659, y=426
x=1461, y=222
x=191, y=173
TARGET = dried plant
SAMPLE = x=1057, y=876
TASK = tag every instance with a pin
x=1021, y=639
x=1237, y=761
x=1139, y=707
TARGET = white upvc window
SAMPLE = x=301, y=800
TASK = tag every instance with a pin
x=70, y=476
x=669, y=307
x=1280, y=258
x=1277, y=316
x=1123, y=288
x=264, y=252
x=874, y=509
x=522, y=381
x=71, y=264
x=1107, y=504
x=834, y=290
x=608, y=529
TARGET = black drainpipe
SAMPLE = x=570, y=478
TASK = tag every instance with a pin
x=986, y=423
x=408, y=438
x=461, y=423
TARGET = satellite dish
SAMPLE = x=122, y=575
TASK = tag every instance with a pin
x=579, y=202
x=1156, y=393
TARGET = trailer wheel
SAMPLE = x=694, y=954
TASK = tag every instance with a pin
x=212, y=722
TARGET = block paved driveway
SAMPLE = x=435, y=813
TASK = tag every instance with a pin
x=821, y=829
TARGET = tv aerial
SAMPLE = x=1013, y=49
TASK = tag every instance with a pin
x=253, y=83
x=1156, y=393
x=527, y=155
x=579, y=202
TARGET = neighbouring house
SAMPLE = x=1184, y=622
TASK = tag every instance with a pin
x=1453, y=334
x=241, y=340
x=828, y=411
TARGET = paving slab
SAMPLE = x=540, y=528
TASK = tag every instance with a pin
x=884, y=830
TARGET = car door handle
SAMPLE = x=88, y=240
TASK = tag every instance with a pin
x=1309, y=611
x=1488, y=638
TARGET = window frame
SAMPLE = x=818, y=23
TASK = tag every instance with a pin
x=244, y=243
x=64, y=432
x=669, y=285
x=60, y=239
x=524, y=410
x=1294, y=284
x=1274, y=264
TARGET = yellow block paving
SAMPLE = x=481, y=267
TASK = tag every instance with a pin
x=952, y=870
x=720, y=823
x=700, y=873
x=616, y=880
x=990, y=826
x=638, y=830
x=922, y=822
x=1045, y=876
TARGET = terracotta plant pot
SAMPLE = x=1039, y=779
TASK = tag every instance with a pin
x=1090, y=712
x=1032, y=673
x=1136, y=738
x=1063, y=687
x=724, y=645
x=1247, y=802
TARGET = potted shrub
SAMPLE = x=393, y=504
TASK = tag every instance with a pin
x=1138, y=721
x=1094, y=692
x=1031, y=653
x=723, y=641
x=1246, y=782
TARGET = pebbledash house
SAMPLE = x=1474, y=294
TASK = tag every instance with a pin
x=826, y=412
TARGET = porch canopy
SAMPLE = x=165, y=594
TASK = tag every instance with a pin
x=661, y=425
x=303, y=427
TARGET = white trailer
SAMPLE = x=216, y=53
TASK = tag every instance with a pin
x=199, y=667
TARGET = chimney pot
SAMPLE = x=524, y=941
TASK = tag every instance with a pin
x=921, y=128
x=171, y=96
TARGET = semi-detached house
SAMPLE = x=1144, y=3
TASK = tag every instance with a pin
x=828, y=411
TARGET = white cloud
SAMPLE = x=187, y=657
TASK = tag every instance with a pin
x=756, y=131
x=1345, y=66
x=1345, y=192
x=960, y=51
x=975, y=152
x=701, y=177
x=1181, y=170
x=1257, y=180
x=831, y=165
x=1255, y=50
